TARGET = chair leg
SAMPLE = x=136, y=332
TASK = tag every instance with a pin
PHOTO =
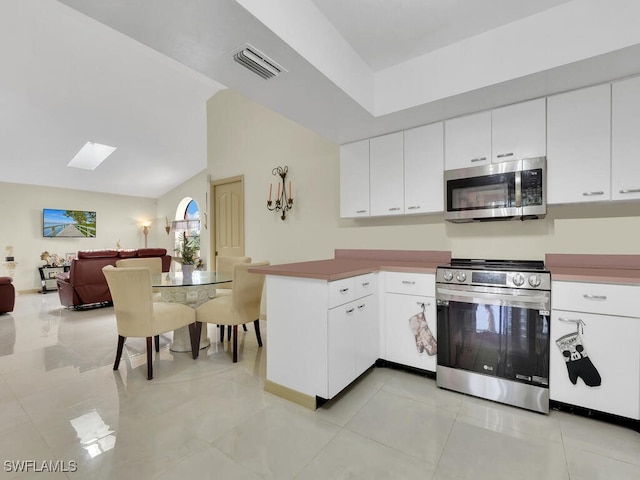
x=229, y=333
x=194, y=334
x=157, y=339
x=256, y=324
x=221, y=327
x=235, y=343
x=121, y=340
x=244, y=327
x=149, y=357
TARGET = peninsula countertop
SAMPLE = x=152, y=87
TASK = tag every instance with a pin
x=350, y=263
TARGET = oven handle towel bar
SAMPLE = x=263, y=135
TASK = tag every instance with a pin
x=539, y=300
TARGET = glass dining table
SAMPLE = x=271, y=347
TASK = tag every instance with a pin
x=192, y=291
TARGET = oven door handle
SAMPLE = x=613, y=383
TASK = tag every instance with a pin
x=448, y=294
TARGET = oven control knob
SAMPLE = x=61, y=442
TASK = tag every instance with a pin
x=518, y=279
x=534, y=280
x=447, y=275
x=461, y=276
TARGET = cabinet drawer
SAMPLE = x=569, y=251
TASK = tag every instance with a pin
x=366, y=285
x=341, y=291
x=410, y=283
x=621, y=300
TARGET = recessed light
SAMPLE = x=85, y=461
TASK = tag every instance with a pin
x=91, y=155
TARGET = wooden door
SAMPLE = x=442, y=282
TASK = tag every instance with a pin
x=228, y=217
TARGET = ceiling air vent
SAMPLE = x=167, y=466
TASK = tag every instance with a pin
x=256, y=61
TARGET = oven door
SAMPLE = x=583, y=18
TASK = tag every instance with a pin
x=494, y=331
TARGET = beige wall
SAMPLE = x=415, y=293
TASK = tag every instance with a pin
x=119, y=219
x=249, y=139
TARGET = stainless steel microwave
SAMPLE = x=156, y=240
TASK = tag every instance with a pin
x=498, y=191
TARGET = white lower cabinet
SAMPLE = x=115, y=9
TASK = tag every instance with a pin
x=352, y=341
x=595, y=355
x=409, y=335
x=322, y=335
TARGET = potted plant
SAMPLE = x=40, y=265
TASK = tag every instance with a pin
x=188, y=254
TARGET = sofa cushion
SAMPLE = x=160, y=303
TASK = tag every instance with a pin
x=97, y=254
x=152, y=252
x=5, y=280
x=129, y=253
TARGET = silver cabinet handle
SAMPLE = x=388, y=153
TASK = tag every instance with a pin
x=350, y=311
x=479, y=159
x=413, y=207
x=361, y=211
x=423, y=304
x=394, y=209
x=344, y=290
x=408, y=282
x=630, y=190
x=502, y=155
x=365, y=284
x=594, y=297
x=592, y=194
x=567, y=320
x=361, y=307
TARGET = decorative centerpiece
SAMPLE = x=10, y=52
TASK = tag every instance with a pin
x=188, y=254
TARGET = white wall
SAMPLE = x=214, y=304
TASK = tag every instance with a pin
x=245, y=138
x=119, y=219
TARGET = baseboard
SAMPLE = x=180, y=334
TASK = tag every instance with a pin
x=304, y=400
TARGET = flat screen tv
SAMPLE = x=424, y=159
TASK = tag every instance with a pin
x=68, y=223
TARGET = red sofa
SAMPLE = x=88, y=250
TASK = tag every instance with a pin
x=85, y=285
x=7, y=295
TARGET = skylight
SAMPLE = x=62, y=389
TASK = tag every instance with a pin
x=91, y=155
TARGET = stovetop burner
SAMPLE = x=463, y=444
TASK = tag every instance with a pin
x=495, y=264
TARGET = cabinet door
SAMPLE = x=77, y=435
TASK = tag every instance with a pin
x=519, y=131
x=341, y=344
x=612, y=346
x=467, y=141
x=578, y=146
x=366, y=336
x=401, y=344
x=387, y=174
x=423, y=167
x=354, y=179
x=625, y=141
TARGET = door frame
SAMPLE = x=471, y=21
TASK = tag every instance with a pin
x=212, y=220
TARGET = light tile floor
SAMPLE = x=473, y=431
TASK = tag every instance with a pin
x=61, y=401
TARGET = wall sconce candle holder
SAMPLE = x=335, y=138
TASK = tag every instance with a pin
x=283, y=202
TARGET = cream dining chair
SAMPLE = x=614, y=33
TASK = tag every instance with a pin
x=153, y=263
x=138, y=316
x=224, y=266
x=239, y=308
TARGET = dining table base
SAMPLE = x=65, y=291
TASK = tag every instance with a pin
x=182, y=339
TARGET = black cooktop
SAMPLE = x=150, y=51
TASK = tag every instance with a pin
x=494, y=264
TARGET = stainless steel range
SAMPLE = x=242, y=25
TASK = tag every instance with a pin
x=493, y=330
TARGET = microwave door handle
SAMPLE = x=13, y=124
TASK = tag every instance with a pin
x=518, y=179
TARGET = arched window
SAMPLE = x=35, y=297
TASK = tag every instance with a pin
x=187, y=224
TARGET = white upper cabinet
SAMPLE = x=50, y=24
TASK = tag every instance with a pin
x=467, y=141
x=519, y=131
x=625, y=140
x=423, y=167
x=386, y=161
x=354, y=179
x=579, y=146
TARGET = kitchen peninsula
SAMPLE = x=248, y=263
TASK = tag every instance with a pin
x=325, y=328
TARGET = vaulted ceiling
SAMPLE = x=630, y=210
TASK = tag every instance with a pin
x=136, y=74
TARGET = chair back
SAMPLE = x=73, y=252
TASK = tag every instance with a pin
x=153, y=263
x=131, y=293
x=247, y=292
x=224, y=266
